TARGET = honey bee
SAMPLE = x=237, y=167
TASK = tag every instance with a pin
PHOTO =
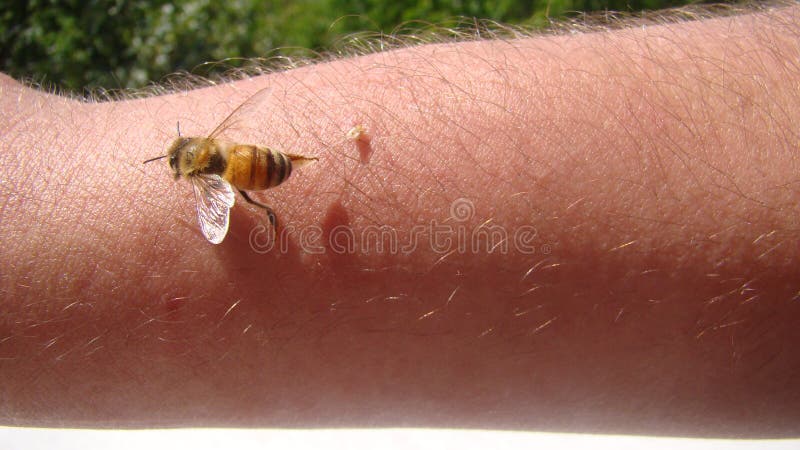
x=215, y=166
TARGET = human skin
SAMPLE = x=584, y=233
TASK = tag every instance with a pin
x=657, y=165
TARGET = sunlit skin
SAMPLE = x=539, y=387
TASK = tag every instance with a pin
x=656, y=169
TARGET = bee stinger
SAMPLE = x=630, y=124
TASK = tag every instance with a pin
x=214, y=167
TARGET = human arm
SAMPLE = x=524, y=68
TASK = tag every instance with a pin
x=658, y=167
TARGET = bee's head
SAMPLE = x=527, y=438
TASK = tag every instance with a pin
x=181, y=156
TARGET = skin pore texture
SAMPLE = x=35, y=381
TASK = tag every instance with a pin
x=595, y=232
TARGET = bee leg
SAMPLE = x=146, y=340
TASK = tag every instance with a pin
x=273, y=220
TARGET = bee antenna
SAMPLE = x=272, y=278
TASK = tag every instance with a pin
x=154, y=159
x=179, y=128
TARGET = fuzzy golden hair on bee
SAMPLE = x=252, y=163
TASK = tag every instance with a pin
x=215, y=167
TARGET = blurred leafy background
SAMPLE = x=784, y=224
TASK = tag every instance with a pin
x=82, y=45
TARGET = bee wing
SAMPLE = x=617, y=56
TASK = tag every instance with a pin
x=247, y=107
x=214, y=197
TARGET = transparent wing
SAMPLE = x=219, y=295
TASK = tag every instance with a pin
x=248, y=108
x=214, y=197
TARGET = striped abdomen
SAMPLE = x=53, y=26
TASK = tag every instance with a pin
x=253, y=168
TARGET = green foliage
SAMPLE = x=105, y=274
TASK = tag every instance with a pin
x=125, y=43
